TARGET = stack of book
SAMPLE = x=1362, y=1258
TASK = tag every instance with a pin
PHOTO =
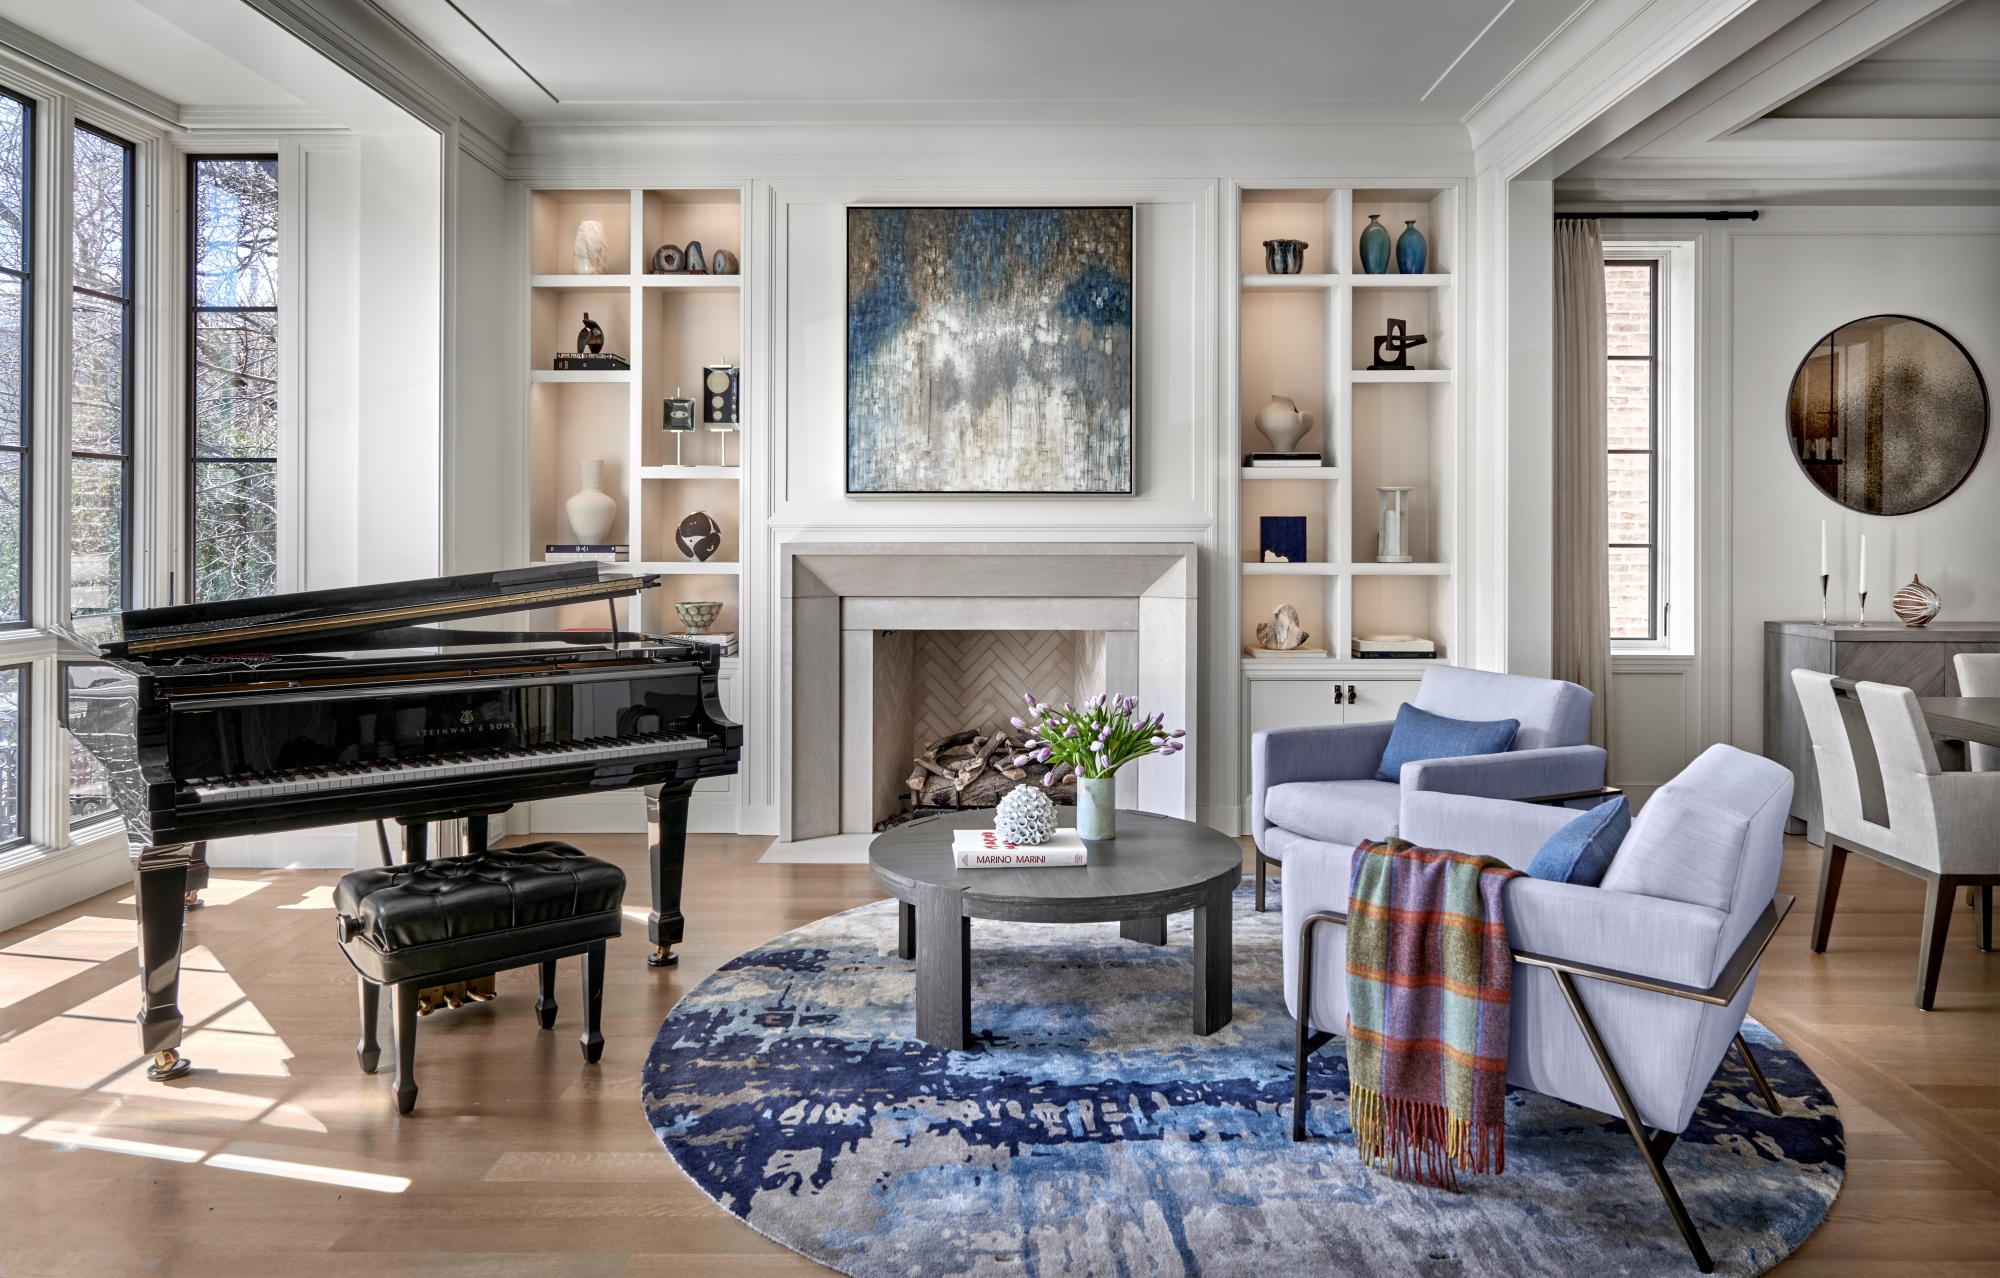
x=1394, y=647
x=570, y=362
x=1285, y=654
x=1282, y=459
x=725, y=642
x=575, y=554
x=984, y=850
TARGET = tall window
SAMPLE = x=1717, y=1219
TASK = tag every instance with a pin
x=16, y=256
x=1631, y=291
x=100, y=402
x=233, y=377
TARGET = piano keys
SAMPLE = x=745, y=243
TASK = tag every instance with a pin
x=324, y=707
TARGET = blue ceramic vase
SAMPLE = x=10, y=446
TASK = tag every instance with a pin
x=1374, y=247
x=1411, y=250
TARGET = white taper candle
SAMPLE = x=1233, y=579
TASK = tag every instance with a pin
x=1822, y=548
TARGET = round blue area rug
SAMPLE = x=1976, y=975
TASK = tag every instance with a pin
x=1091, y=1133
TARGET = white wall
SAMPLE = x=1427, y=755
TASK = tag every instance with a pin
x=1769, y=290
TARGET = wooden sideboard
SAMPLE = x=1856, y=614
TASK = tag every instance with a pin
x=1889, y=652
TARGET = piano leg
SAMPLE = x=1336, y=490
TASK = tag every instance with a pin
x=197, y=873
x=416, y=832
x=667, y=826
x=368, y=1049
x=160, y=875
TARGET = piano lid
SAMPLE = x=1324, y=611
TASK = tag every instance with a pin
x=290, y=620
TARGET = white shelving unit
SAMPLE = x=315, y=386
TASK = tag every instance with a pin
x=1308, y=337
x=667, y=327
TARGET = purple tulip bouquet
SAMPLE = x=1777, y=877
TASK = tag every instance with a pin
x=1093, y=741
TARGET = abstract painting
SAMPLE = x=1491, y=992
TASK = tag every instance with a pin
x=989, y=350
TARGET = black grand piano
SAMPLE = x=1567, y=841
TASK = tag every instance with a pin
x=261, y=715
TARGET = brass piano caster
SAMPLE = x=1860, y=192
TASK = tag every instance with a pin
x=193, y=899
x=662, y=956
x=167, y=1065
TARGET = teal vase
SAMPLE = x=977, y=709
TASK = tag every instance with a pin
x=1411, y=251
x=1374, y=247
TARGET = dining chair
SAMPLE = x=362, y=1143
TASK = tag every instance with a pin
x=1947, y=824
x=1979, y=676
x=1850, y=784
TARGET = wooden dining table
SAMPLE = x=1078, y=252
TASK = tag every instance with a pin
x=1963, y=718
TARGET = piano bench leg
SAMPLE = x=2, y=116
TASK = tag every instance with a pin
x=406, y=1047
x=545, y=1005
x=368, y=1049
x=593, y=1003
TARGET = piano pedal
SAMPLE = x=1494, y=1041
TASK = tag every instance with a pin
x=457, y=994
x=662, y=956
x=481, y=989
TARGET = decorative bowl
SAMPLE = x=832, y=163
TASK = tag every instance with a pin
x=697, y=616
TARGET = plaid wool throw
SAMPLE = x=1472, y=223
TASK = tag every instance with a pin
x=1429, y=981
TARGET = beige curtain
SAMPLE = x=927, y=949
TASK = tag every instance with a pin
x=1583, y=558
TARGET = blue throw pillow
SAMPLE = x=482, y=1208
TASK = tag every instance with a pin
x=1419, y=734
x=1581, y=851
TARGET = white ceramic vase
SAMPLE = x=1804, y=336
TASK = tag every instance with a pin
x=590, y=511
x=1097, y=808
x=1283, y=424
x=593, y=255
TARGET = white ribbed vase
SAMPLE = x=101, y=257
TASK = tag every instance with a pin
x=590, y=511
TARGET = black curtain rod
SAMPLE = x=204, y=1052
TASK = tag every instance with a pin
x=1691, y=215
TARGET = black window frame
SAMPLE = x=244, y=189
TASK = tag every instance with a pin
x=1655, y=621
x=25, y=449
x=195, y=461
x=127, y=391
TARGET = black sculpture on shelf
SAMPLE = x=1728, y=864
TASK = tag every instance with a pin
x=698, y=536
x=590, y=337
x=1398, y=341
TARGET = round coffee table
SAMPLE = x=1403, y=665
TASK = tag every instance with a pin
x=1155, y=867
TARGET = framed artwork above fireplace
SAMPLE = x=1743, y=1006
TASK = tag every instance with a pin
x=989, y=350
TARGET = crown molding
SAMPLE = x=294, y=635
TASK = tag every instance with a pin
x=260, y=119
x=85, y=74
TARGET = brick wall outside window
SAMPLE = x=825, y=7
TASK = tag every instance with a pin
x=1629, y=289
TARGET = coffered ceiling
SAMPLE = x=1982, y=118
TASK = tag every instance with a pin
x=1888, y=101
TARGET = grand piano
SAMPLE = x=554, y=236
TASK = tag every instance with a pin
x=262, y=715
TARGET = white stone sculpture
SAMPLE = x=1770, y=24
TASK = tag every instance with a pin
x=1281, y=633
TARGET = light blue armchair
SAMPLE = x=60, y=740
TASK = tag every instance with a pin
x=1626, y=995
x=1315, y=788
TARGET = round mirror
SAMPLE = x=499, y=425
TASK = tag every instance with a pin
x=1887, y=414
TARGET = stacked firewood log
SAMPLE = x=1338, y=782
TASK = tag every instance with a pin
x=972, y=770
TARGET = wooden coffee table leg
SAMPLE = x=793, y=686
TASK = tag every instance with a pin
x=1214, y=958
x=906, y=930
x=944, y=968
x=1150, y=931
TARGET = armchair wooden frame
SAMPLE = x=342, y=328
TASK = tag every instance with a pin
x=1653, y=1145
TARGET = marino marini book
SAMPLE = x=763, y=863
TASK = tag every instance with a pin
x=984, y=850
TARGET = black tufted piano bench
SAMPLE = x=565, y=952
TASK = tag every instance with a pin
x=464, y=917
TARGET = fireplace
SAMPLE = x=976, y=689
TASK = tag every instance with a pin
x=864, y=621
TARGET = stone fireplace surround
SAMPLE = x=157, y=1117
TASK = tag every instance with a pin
x=836, y=596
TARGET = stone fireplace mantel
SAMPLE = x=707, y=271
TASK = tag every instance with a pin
x=835, y=597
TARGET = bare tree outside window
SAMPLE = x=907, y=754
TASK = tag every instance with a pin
x=233, y=377
x=1632, y=430
x=100, y=428
x=16, y=118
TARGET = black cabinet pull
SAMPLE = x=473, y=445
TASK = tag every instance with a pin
x=1336, y=694
x=1351, y=698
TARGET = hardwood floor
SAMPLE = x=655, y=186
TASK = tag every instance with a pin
x=522, y=1160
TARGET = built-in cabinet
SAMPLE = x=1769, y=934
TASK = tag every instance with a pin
x=1310, y=337
x=669, y=328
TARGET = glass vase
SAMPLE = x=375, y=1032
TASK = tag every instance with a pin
x=1393, y=535
x=1097, y=808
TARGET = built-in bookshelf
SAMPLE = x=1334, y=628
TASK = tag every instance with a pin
x=1309, y=337
x=668, y=327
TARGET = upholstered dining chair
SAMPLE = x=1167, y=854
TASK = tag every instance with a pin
x=1979, y=676
x=1316, y=787
x=1947, y=824
x=1850, y=786
x=1626, y=995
